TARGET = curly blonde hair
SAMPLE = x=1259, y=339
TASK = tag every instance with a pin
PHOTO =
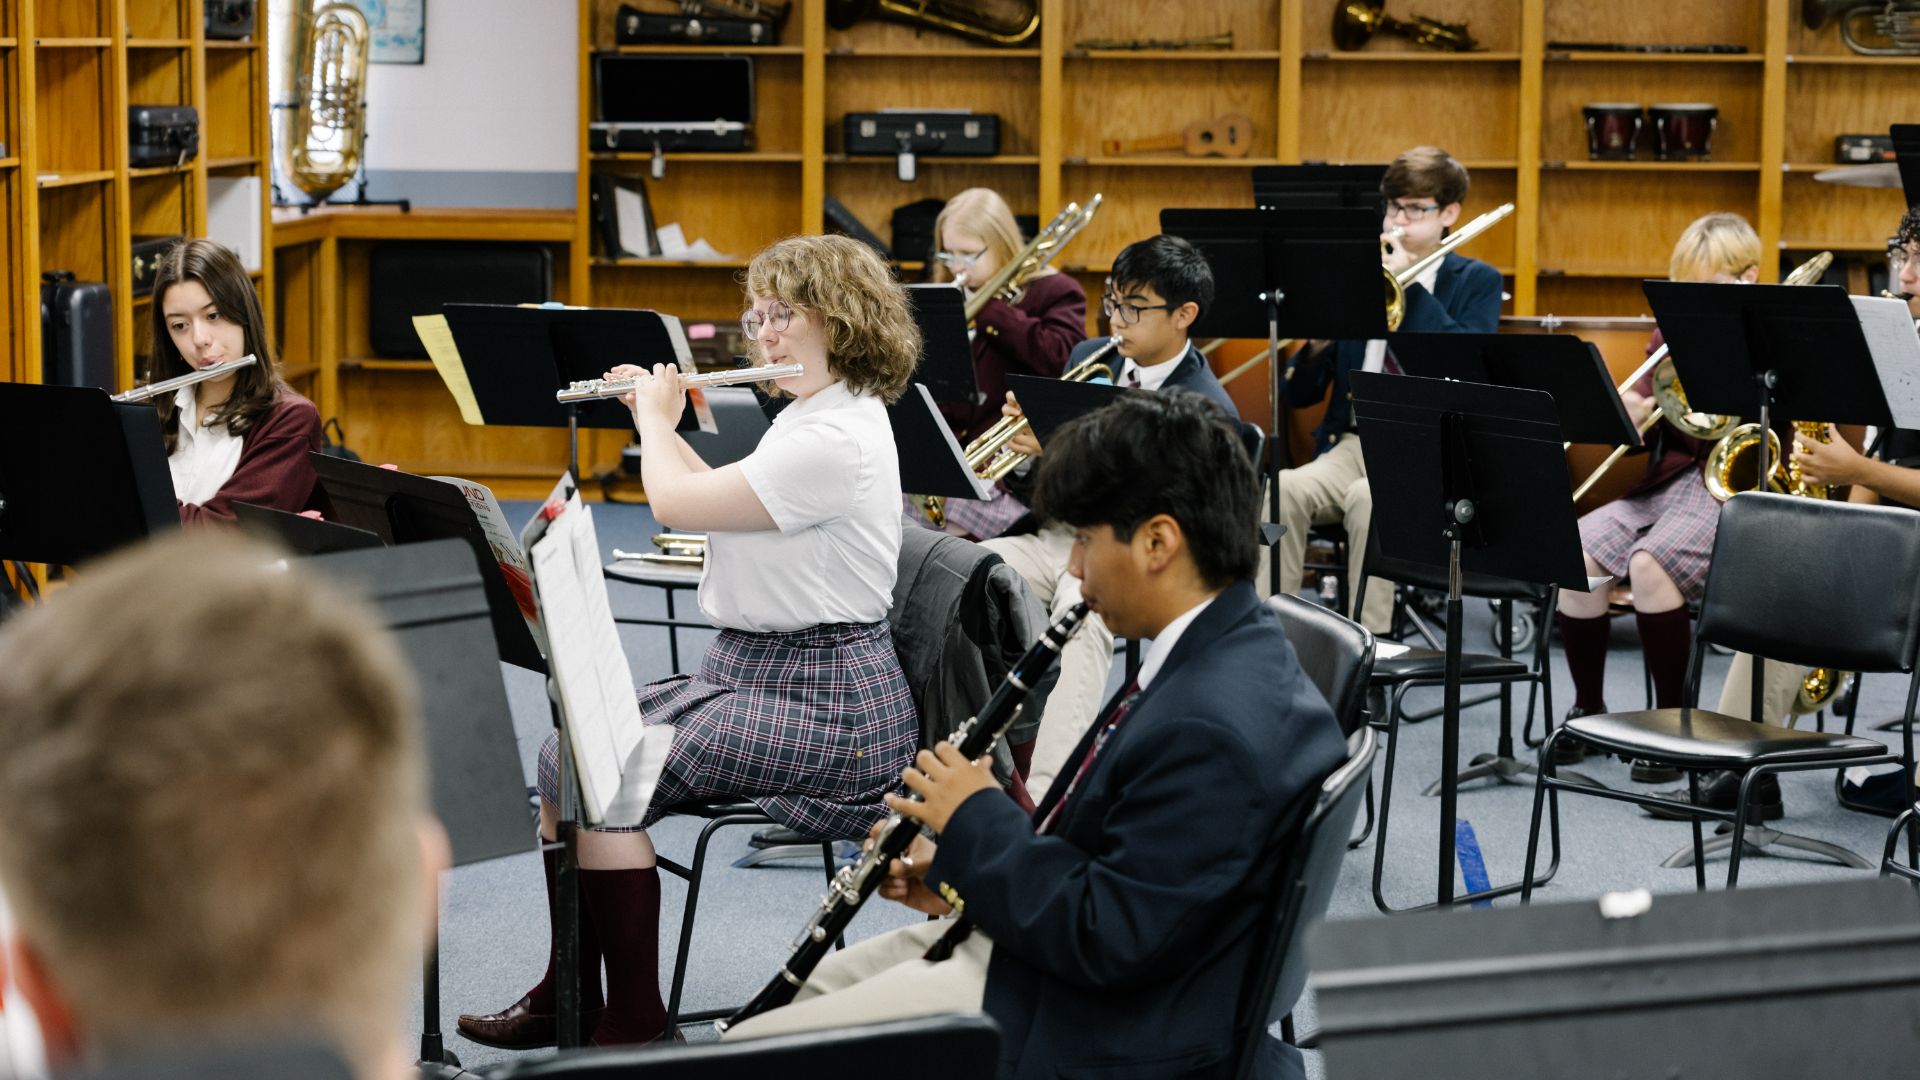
x=873, y=344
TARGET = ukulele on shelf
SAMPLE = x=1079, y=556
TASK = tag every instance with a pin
x=1230, y=135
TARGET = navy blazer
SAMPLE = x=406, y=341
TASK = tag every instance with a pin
x=1465, y=300
x=1123, y=939
x=1192, y=373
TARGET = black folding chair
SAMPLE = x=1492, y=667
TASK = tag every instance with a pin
x=1765, y=597
x=1306, y=888
x=946, y=1047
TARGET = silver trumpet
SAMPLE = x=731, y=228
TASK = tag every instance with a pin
x=164, y=386
x=596, y=389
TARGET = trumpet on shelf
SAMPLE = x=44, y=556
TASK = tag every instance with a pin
x=596, y=389
x=164, y=386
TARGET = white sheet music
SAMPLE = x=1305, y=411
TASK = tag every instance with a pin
x=1888, y=327
x=618, y=757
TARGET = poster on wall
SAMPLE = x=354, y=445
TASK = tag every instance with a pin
x=399, y=30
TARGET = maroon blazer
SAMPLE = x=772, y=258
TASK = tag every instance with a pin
x=273, y=469
x=1031, y=337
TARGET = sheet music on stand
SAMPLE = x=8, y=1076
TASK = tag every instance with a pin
x=1888, y=327
x=617, y=757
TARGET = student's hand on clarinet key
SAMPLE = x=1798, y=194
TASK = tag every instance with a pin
x=906, y=877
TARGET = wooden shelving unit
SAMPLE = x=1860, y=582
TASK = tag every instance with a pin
x=69, y=198
x=1585, y=231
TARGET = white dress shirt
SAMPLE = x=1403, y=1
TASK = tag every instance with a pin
x=829, y=475
x=1377, y=348
x=1161, y=646
x=203, y=458
x=1151, y=377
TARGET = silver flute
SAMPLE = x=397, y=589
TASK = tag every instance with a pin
x=596, y=389
x=211, y=371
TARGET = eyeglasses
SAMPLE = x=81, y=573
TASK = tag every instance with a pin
x=956, y=260
x=1899, y=258
x=1128, y=314
x=1396, y=208
x=778, y=315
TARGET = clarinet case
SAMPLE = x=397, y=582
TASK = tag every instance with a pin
x=663, y=104
x=76, y=331
x=635, y=27
x=957, y=133
x=162, y=134
x=147, y=251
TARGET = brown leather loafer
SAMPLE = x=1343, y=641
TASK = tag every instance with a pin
x=518, y=1027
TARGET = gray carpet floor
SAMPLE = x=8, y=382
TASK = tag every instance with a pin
x=494, y=935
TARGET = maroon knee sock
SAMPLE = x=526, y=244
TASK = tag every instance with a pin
x=626, y=910
x=1585, y=641
x=544, y=997
x=1666, y=636
x=1023, y=756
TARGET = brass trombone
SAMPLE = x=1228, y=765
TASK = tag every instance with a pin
x=1671, y=398
x=1010, y=281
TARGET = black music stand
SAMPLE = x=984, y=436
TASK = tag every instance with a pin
x=1317, y=187
x=80, y=474
x=1472, y=478
x=1304, y=273
x=1572, y=372
x=302, y=534
x=401, y=508
x=931, y=459
x=433, y=597
x=946, y=353
x=517, y=357
x=1050, y=403
x=1752, y=349
x=1906, y=156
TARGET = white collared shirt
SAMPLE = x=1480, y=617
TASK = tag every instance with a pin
x=1377, y=348
x=828, y=474
x=1162, y=646
x=1155, y=376
x=204, y=458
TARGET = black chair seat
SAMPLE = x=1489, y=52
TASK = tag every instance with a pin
x=664, y=575
x=1419, y=662
x=718, y=808
x=1702, y=739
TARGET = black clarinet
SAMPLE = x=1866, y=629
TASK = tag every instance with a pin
x=855, y=883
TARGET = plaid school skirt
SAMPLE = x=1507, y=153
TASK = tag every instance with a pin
x=1674, y=523
x=812, y=725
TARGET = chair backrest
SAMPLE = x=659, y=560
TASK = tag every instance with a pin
x=1334, y=651
x=1813, y=582
x=1305, y=888
x=951, y=1047
x=1255, y=440
x=740, y=423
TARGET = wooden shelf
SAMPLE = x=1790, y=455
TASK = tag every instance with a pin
x=159, y=43
x=1559, y=57
x=1152, y=161
x=370, y=363
x=71, y=42
x=745, y=157
x=926, y=160
x=1604, y=272
x=673, y=264
x=1823, y=166
x=1852, y=59
x=1838, y=247
x=1197, y=55
x=1428, y=57
x=9, y=163
x=706, y=50
x=299, y=371
x=1651, y=166
x=844, y=52
x=160, y=170
x=223, y=43
x=8, y=42
x=231, y=162
x=69, y=179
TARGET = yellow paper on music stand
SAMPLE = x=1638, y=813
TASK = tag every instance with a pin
x=437, y=336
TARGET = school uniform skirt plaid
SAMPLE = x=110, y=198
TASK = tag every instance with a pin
x=812, y=725
x=1674, y=523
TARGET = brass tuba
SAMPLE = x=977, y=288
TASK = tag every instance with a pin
x=1891, y=28
x=1356, y=21
x=321, y=89
x=1007, y=24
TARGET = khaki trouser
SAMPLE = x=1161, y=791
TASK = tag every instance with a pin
x=1331, y=489
x=882, y=979
x=1041, y=558
x=1781, y=682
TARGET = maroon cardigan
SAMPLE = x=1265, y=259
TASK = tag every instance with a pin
x=1030, y=337
x=273, y=469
